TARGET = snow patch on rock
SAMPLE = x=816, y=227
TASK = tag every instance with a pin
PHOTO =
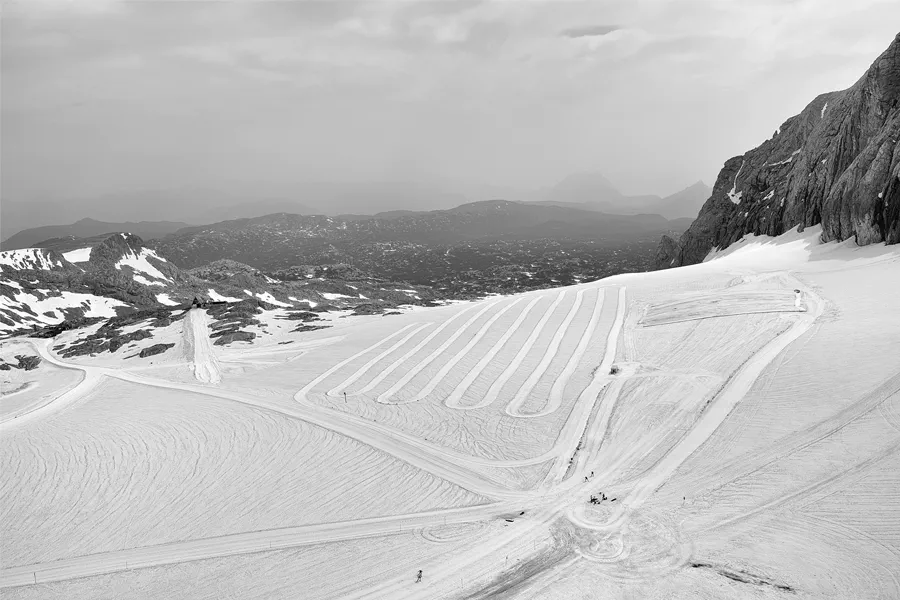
x=77, y=256
x=165, y=299
x=268, y=297
x=311, y=303
x=734, y=195
x=217, y=297
x=138, y=262
x=144, y=281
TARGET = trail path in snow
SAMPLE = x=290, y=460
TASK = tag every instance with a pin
x=199, y=349
x=560, y=495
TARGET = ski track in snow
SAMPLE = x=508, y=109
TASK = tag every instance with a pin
x=199, y=348
x=582, y=410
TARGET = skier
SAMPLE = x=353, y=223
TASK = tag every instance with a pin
x=419, y=576
x=798, y=300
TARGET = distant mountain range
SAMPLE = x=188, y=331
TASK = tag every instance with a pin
x=86, y=228
x=281, y=240
x=837, y=164
x=592, y=191
x=136, y=212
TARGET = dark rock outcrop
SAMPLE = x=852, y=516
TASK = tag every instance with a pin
x=28, y=363
x=837, y=164
x=155, y=349
x=235, y=336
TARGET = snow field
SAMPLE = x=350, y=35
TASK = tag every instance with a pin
x=23, y=391
x=322, y=572
x=160, y=466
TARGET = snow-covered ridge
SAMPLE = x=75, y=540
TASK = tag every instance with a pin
x=28, y=258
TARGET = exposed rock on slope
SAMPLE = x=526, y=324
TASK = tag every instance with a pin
x=44, y=292
x=836, y=163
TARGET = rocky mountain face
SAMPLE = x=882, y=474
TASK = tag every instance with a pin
x=837, y=164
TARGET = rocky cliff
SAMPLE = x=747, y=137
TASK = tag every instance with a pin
x=837, y=164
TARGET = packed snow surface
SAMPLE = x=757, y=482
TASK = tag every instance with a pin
x=77, y=256
x=701, y=432
x=28, y=258
x=330, y=296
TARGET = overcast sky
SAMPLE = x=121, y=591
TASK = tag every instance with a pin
x=104, y=97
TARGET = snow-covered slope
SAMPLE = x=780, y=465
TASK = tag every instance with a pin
x=689, y=433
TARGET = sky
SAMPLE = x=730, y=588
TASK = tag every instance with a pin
x=103, y=97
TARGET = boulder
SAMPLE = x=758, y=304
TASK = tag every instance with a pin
x=235, y=336
x=155, y=349
x=28, y=363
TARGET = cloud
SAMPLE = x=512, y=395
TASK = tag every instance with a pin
x=589, y=31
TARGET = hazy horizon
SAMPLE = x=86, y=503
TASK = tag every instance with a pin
x=105, y=98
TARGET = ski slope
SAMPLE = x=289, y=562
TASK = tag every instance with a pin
x=740, y=447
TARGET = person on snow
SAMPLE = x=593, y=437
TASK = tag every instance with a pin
x=419, y=576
